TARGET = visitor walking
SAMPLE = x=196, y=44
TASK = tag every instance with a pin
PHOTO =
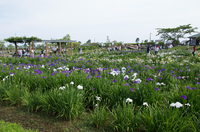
x=148, y=50
x=42, y=52
x=194, y=49
x=156, y=50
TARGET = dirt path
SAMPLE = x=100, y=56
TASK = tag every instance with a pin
x=31, y=120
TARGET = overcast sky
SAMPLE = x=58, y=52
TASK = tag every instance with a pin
x=121, y=20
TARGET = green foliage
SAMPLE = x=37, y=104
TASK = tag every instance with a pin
x=125, y=118
x=88, y=42
x=166, y=119
x=66, y=37
x=2, y=45
x=175, y=33
x=38, y=82
x=100, y=117
x=31, y=39
x=67, y=103
x=15, y=39
x=137, y=40
x=12, y=127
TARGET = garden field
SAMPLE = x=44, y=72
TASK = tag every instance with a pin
x=114, y=91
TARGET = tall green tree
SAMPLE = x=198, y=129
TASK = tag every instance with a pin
x=137, y=40
x=175, y=33
x=2, y=45
x=89, y=41
x=15, y=40
x=67, y=37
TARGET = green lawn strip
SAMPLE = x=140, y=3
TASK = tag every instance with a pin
x=12, y=127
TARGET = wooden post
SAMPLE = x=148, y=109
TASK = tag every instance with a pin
x=33, y=46
x=29, y=48
x=15, y=49
x=71, y=49
x=46, y=49
x=60, y=48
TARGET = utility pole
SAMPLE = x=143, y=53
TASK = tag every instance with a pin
x=150, y=38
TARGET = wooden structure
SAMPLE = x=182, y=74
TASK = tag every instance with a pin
x=193, y=39
x=59, y=44
x=15, y=42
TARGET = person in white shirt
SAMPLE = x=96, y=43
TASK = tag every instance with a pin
x=156, y=50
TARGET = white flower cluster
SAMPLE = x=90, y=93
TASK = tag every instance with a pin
x=80, y=87
x=115, y=73
x=178, y=105
x=128, y=100
x=137, y=80
x=159, y=84
x=62, y=88
x=98, y=98
x=61, y=68
x=8, y=76
x=72, y=83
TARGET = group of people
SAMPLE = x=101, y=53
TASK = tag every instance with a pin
x=156, y=49
x=23, y=52
x=159, y=48
x=113, y=49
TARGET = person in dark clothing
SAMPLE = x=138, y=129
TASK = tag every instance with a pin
x=194, y=49
x=148, y=49
x=42, y=52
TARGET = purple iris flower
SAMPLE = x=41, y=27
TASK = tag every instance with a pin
x=52, y=74
x=114, y=81
x=198, y=82
x=89, y=76
x=98, y=77
x=184, y=97
x=194, y=88
x=44, y=77
x=157, y=89
x=67, y=75
x=63, y=72
x=126, y=78
x=126, y=84
x=149, y=79
x=189, y=87
x=163, y=70
x=132, y=89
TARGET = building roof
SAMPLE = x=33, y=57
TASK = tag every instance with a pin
x=169, y=42
x=159, y=40
x=195, y=36
x=56, y=41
